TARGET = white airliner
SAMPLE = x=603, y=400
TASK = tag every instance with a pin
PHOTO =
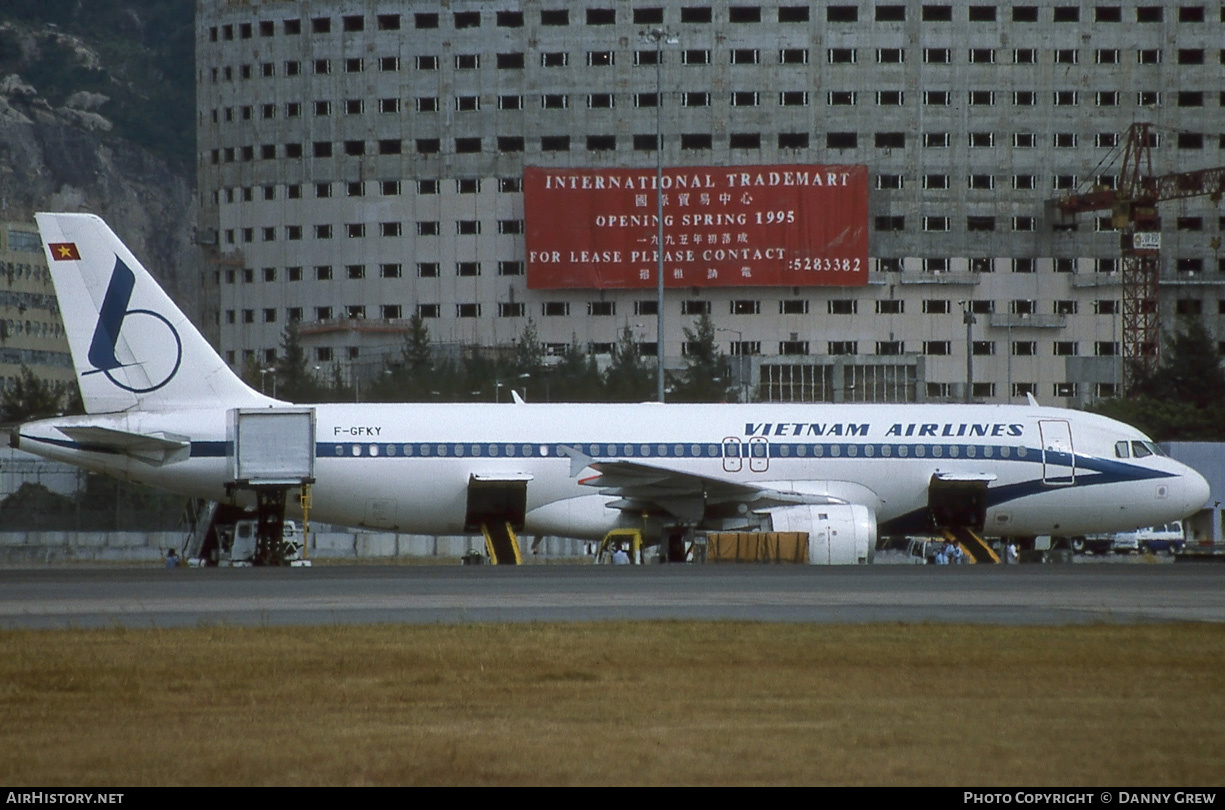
x=160, y=401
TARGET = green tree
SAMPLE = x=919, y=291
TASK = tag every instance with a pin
x=33, y=506
x=529, y=353
x=628, y=379
x=412, y=375
x=294, y=381
x=576, y=378
x=110, y=504
x=73, y=404
x=417, y=354
x=451, y=381
x=337, y=389
x=253, y=375
x=30, y=398
x=1190, y=369
x=473, y=378
x=1184, y=398
x=706, y=375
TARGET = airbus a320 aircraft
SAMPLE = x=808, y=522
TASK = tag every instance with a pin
x=161, y=407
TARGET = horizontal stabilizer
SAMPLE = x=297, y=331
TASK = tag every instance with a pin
x=158, y=449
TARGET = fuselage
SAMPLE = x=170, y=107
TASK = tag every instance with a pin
x=162, y=404
x=408, y=467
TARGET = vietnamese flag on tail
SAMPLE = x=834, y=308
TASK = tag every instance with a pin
x=65, y=252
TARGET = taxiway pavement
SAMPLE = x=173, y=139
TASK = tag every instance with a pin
x=324, y=595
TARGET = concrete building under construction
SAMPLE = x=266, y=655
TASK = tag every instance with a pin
x=31, y=332
x=364, y=160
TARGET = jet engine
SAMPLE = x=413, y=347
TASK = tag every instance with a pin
x=838, y=534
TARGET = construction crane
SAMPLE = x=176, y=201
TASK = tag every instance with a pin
x=1133, y=211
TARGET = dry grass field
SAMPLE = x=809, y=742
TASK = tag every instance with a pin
x=615, y=703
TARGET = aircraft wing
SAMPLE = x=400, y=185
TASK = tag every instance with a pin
x=154, y=449
x=650, y=488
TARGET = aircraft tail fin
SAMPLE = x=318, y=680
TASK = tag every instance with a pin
x=132, y=347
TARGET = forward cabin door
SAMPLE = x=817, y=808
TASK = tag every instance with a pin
x=1058, y=459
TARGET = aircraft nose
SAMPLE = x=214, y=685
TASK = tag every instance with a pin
x=1195, y=489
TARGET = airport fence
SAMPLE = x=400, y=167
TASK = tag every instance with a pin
x=38, y=496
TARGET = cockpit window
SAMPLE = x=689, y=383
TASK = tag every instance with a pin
x=1141, y=449
x=1121, y=450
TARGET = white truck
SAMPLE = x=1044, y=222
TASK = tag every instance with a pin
x=237, y=543
x=1167, y=537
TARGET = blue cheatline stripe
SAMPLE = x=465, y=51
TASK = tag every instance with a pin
x=1115, y=470
x=1090, y=471
x=1103, y=471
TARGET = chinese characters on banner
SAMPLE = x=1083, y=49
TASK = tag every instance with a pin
x=751, y=226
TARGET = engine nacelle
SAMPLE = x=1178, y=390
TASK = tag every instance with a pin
x=839, y=534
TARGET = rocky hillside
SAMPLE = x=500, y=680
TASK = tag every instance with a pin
x=89, y=121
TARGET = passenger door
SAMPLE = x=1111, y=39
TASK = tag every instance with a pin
x=1058, y=458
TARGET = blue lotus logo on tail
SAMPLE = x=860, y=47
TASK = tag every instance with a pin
x=111, y=317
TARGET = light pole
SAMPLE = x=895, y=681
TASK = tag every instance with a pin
x=744, y=382
x=659, y=36
x=263, y=380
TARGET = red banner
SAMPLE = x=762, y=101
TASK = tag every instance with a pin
x=748, y=226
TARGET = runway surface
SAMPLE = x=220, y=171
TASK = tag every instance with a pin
x=326, y=595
